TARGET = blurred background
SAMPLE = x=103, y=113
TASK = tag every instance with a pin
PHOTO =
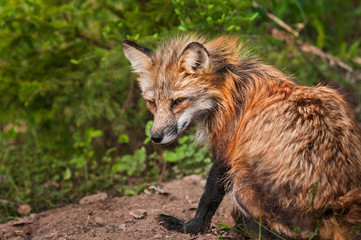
x=72, y=121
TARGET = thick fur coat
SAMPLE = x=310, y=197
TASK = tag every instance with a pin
x=288, y=154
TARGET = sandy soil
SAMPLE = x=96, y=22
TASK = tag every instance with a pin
x=129, y=217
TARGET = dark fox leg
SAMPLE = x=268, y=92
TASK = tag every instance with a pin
x=208, y=204
x=249, y=228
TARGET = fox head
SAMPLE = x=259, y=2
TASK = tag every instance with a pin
x=175, y=82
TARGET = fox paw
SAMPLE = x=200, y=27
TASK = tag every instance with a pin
x=194, y=226
x=171, y=223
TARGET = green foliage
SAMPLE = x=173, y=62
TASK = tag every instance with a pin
x=213, y=16
x=190, y=157
x=71, y=116
x=131, y=164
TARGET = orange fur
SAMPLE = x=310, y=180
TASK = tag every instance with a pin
x=294, y=152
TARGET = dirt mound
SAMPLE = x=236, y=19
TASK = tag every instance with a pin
x=128, y=217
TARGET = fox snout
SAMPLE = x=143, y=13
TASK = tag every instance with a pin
x=163, y=132
x=156, y=138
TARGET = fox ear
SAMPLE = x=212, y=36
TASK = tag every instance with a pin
x=140, y=57
x=194, y=58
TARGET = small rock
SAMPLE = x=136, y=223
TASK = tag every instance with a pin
x=19, y=238
x=139, y=214
x=194, y=179
x=158, y=190
x=193, y=206
x=122, y=227
x=99, y=221
x=146, y=191
x=93, y=198
x=51, y=236
x=24, y=209
x=157, y=236
x=189, y=200
x=202, y=183
x=19, y=233
x=70, y=232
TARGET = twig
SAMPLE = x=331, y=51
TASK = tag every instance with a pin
x=87, y=220
x=128, y=101
x=279, y=21
x=163, y=171
x=308, y=48
x=163, y=228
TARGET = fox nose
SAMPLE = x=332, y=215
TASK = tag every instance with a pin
x=156, y=138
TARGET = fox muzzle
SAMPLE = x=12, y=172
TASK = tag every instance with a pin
x=156, y=138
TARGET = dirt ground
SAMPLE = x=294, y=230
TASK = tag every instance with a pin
x=129, y=217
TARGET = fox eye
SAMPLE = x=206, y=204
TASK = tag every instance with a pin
x=151, y=103
x=178, y=101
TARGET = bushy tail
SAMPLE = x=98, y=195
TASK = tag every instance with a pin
x=346, y=220
x=349, y=206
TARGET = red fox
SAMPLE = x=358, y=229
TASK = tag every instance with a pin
x=289, y=155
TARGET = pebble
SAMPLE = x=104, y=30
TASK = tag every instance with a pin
x=139, y=213
x=99, y=221
x=93, y=198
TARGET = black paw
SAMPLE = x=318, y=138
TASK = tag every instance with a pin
x=171, y=223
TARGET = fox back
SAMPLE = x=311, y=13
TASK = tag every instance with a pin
x=292, y=153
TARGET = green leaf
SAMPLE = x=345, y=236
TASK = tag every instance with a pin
x=254, y=16
x=130, y=192
x=321, y=32
x=180, y=152
x=75, y=62
x=184, y=140
x=226, y=226
x=190, y=151
x=91, y=133
x=79, y=161
x=146, y=141
x=123, y=138
x=170, y=156
x=182, y=28
x=10, y=134
x=67, y=174
x=148, y=127
x=126, y=159
x=140, y=155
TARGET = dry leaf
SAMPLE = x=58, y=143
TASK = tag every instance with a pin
x=139, y=214
x=24, y=220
